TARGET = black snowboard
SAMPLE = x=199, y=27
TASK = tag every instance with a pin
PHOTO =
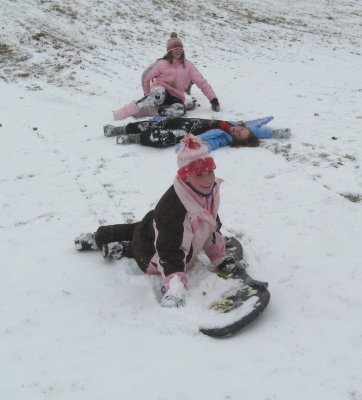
x=252, y=295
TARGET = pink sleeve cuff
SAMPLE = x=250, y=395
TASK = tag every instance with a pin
x=181, y=275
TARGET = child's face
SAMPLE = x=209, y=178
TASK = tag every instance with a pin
x=177, y=53
x=203, y=183
x=239, y=132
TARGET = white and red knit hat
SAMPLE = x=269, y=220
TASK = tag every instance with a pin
x=174, y=42
x=194, y=157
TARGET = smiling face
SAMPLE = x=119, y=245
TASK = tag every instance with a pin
x=203, y=183
x=177, y=53
x=239, y=132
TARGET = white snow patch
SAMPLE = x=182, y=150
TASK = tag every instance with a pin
x=75, y=327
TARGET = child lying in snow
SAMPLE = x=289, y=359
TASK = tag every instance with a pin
x=168, y=239
x=215, y=133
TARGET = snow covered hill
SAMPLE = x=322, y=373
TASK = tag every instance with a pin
x=74, y=327
x=68, y=43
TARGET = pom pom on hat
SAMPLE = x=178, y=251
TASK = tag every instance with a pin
x=194, y=157
x=174, y=42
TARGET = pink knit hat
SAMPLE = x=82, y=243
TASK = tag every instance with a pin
x=174, y=42
x=194, y=157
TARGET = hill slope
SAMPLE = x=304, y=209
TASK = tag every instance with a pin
x=74, y=327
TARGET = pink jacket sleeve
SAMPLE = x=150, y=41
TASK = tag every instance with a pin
x=155, y=71
x=215, y=247
x=202, y=83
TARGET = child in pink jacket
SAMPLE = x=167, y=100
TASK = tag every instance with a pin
x=165, y=84
x=169, y=238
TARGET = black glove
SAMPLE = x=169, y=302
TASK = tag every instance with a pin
x=227, y=265
x=231, y=266
x=215, y=104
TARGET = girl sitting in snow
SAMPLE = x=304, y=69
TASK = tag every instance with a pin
x=184, y=222
x=165, y=85
x=215, y=133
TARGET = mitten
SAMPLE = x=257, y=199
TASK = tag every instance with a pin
x=215, y=104
x=174, y=290
x=228, y=265
x=231, y=266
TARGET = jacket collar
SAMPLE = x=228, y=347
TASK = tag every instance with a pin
x=190, y=201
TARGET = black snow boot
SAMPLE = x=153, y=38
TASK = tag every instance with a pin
x=110, y=130
x=113, y=250
x=85, y=241
x=128, y=139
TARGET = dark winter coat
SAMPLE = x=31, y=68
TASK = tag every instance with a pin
x=169, y=238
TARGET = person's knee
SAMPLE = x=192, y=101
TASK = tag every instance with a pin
x=159, y=94
x=101, y=235
x=156, y=97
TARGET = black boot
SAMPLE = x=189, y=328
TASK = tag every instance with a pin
x=113, y=250
x=128, y=139
x=85, y=241
x=110, y=130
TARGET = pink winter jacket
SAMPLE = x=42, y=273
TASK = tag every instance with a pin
x=175, y=78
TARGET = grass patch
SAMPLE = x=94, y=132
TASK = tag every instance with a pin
x=67, y=11
x=354, y=198
x=5, y=49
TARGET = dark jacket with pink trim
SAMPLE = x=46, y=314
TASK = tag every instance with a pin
x=169, y=238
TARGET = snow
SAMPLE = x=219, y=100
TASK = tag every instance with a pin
x=76, y=327
x=176, y=293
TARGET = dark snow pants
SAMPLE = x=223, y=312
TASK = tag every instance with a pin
x=117, y=233
x=138, y=239
x=170, y=131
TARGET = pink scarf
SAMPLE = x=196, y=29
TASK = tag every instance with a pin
x=204, y=202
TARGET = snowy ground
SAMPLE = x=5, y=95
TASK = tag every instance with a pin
x=74, y=327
